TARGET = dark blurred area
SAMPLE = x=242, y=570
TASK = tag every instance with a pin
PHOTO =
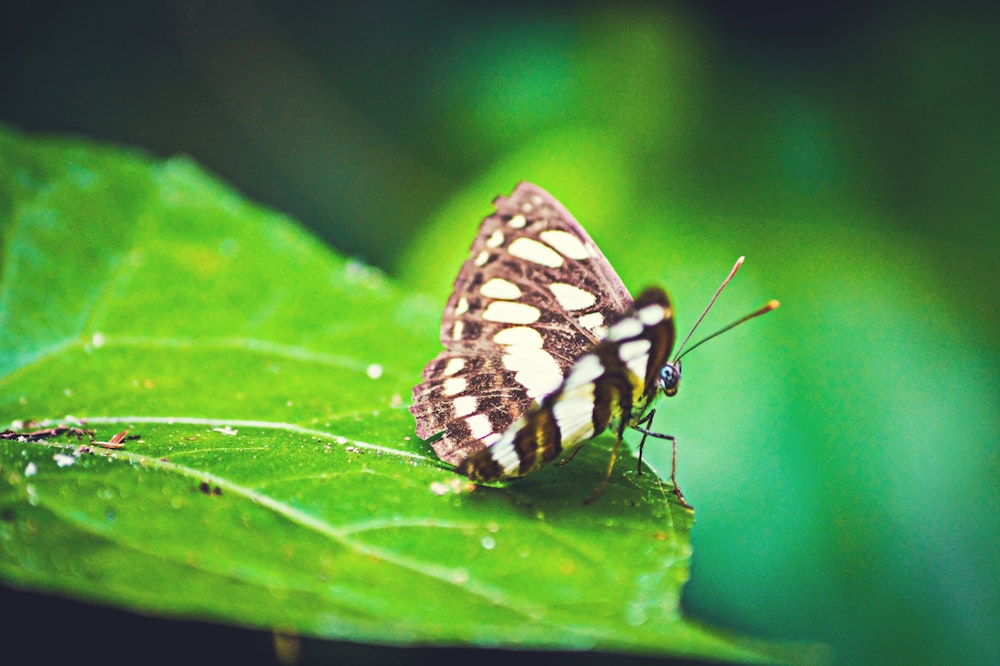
x=360, y=118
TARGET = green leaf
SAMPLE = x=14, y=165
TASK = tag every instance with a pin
x=275, y=481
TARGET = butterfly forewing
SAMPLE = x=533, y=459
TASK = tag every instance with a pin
x=533, y=264
x=534, y=295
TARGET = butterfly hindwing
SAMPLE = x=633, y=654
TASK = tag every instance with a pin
x=463, y=395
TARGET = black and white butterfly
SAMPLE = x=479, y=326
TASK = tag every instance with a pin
x=544, y=347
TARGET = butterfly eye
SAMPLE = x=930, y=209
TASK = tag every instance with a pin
x=670, y=378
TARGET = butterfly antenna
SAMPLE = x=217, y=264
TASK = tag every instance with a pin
x=771, y=305
x=736, y=267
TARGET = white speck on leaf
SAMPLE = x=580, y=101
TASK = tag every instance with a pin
x=374, y=370
x=64, y=460
x=454, y=486
x=31, y=469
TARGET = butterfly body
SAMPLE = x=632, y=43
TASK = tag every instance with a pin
x=544, y=347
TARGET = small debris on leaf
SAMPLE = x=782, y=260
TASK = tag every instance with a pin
x=45, y=433
x=207, y=489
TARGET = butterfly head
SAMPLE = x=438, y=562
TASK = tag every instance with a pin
x=670, y=378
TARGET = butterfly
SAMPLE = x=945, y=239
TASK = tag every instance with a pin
x=544, y=348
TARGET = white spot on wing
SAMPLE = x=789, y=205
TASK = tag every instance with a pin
x=511, y=313
x=500, y=288
x=480, y=426
x=465, y=405
x=635, y=355
x=524, y=336
x=455, y=385
x=626, y=328
x=457, y=330
x=567, y=244
x=651, y=315
x=518, y=221
x=455, y=365
x=534, y=369
x=490, y=438
x=481, y=258
x=537, y=253
x=633, y=349
x=638, y=367
x=572, y=297
x=574, y=414
x=503, y=451
x=594, y=322
x=462, y=306
x=495, y=239
x=585, y=371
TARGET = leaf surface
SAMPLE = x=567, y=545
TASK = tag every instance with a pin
x=274, y=479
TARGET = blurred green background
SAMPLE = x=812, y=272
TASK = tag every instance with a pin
x=843, y=452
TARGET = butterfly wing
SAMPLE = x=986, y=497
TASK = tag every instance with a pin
x=533, y=296
x=611, y=385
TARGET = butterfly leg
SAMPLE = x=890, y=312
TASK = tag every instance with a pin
x=648, y=420
x=645, y=420
x=607, y=477
x=569, y=457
